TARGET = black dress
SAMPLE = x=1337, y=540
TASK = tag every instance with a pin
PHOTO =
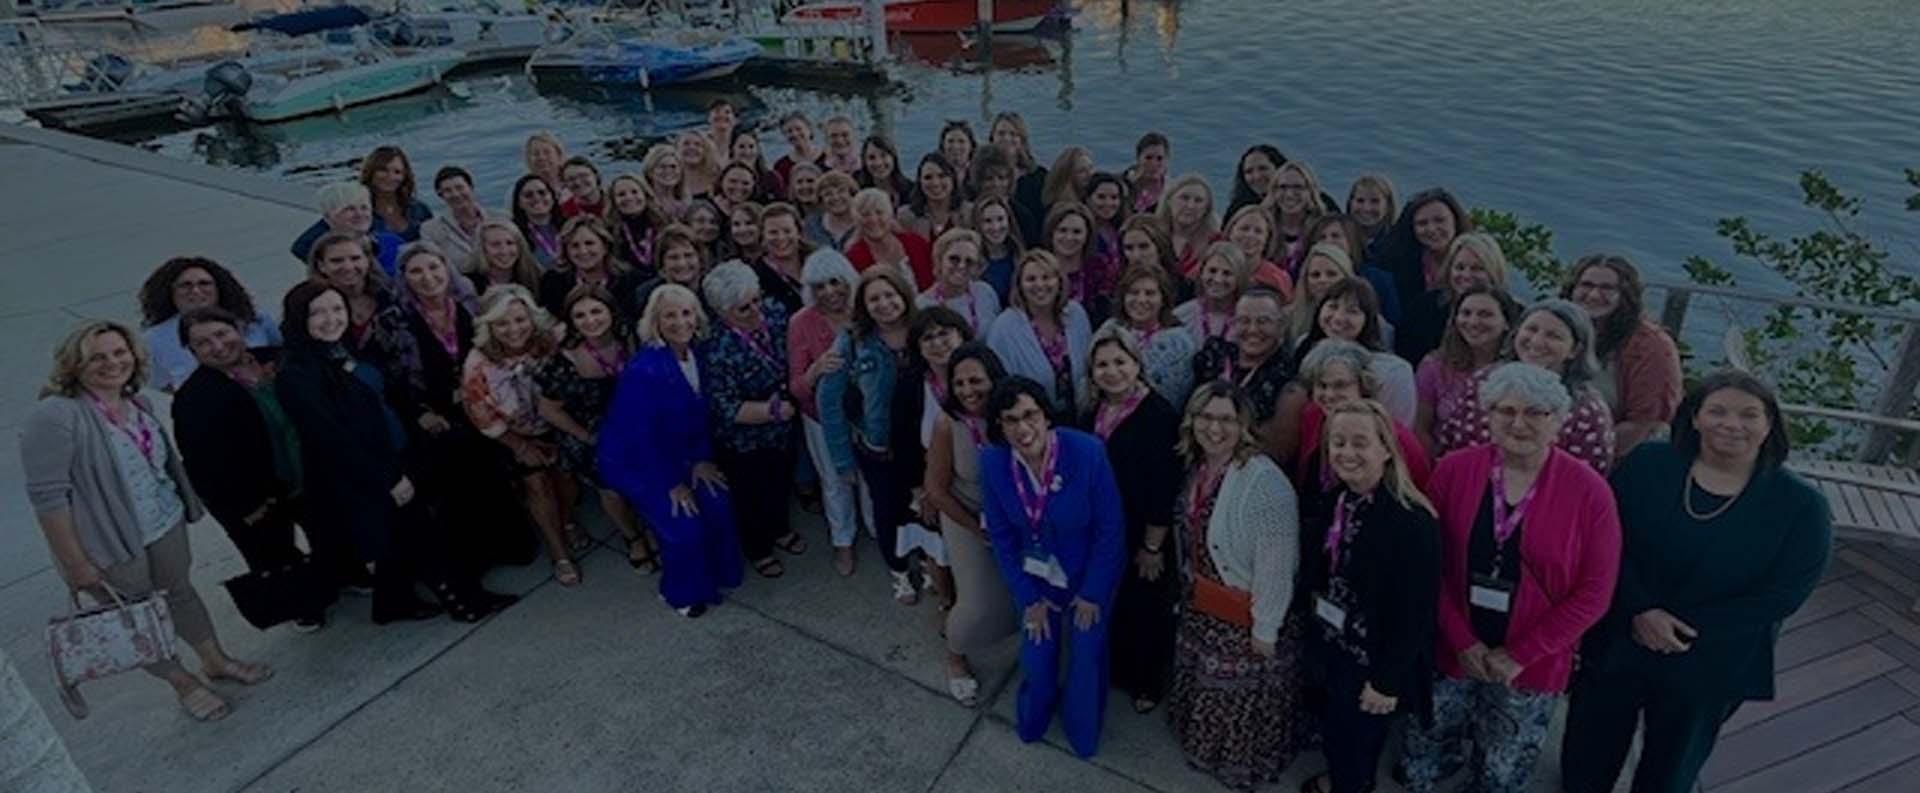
x=1149, y=474
x=586, y=400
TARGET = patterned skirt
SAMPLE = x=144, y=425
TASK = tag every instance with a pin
x=1237, y=715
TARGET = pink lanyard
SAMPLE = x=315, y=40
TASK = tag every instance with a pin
x=1105, y=421
x=642, y=254
x=759, y=349
x=1054, y=348
x=1336, y=532
x=1505, y=523
x=609, y=368
x=976, y=429
x=450, y=340
x=1145, y=337
x=973, y=317
x=1206, y=325
x=939, y=389
x=547, y=243
x=1206, y=483
x=142, y=440
x=1032, y=503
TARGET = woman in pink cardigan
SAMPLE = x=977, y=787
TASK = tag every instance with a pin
x=1639, y=364
x=827, y=283
x=1530, y=548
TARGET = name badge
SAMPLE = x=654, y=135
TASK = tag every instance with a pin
x=1330, y=613
x=1490, y=593
x=1047, y=567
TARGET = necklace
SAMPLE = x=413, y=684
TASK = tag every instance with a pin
x=1686, y=500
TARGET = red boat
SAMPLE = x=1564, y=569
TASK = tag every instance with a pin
x=931, y=16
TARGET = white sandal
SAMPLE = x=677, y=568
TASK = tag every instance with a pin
x=904, y=592
x=965, y=690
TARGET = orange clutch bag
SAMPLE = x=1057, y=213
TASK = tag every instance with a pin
x=1224, y=602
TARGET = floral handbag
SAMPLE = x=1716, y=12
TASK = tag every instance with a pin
x=107, y=639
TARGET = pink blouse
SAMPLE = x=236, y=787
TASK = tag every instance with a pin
x=1587, y=433
x=809, y=336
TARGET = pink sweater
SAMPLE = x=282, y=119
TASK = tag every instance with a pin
x=1570, y=558
x=809, y=336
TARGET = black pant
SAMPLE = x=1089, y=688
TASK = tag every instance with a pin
x=1141, y=635
x=892, y=506
x=1609, y=705
x=758, y=482
x=267, y=544
x=1352, y=738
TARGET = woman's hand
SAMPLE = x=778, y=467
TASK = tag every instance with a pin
x=1038, y=622
x=1663, y=633
x=1376, y=703
x=81, y=574
x=434, y=423
x=402, y=492
x=683, y=505
x=1149, y=564
x=828, y=363
x=533, y=454
x=1474, y=661
x=1085, y=613
x=1501, y=668
x=710, y=475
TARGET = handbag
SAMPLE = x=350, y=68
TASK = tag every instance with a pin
x=107, y=639
x=267, y=598
x=1234, y=606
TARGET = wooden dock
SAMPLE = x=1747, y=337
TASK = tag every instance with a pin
x=1847, y=712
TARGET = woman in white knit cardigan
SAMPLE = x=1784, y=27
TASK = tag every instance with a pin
x=1234, y=701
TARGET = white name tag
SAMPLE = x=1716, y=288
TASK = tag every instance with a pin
x=1330, y=613
x=1048, y=568
x=1491, y=599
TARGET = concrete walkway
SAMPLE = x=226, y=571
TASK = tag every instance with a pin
x=810, y=683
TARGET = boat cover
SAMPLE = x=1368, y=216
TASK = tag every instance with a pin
x=300, y=23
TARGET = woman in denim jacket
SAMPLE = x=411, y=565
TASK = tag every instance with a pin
x=856, y=407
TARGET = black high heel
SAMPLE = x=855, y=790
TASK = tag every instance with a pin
x=461, y=609
x=384, y=614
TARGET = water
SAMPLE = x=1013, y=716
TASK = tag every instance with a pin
x=1624, y=125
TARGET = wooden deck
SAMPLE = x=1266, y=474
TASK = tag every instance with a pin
x=1847, y=714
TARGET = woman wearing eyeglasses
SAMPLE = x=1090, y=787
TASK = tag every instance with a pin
x=1639, y=364
x=1053, y=512
x=1530, y=548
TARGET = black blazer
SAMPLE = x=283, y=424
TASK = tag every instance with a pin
x=348, y=456
x=1394, y=575
x=1145, y=466
x=225, y=445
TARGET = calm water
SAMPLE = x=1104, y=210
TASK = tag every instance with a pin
x=1628, y=125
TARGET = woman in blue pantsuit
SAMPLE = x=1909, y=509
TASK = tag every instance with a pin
x=1053, y=513
x=655, y=449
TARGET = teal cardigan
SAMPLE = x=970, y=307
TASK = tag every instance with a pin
x=1734, y=578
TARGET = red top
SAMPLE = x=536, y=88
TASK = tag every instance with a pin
x=1570, y=558
x=574, y=207
x=919, y=257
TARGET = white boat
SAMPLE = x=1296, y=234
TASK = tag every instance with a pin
x=483, y=30
x=309, y=78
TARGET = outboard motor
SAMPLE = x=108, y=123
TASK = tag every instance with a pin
x=225, y=87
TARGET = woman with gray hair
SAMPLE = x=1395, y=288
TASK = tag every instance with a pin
x=827, y=287
x=1506, y=651
x=1555, y=335
x=347, y=206
x=753, y=409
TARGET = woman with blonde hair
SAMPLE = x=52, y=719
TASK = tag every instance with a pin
x=1044, y=335
x=699, y=161
x=1372, y=205
x=1187, y=216
x=1068, y=179
x=1472, y=259
x=501, y=256
x=512, y=337
x=1251, y=228
x=656, y=448
x=1236, y=681
x=956, y=261
x=1293, y=200
x=1341, y=230
x=666, y=181
x=634, y=219
x=1324, y=265
x=111, y=495
x=1008, y=133
x=586, y=259
x=1371, y=573
x=543, y=155
x=1223, y=276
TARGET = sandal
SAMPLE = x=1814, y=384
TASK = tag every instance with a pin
x=1144, y=706
x=204, y=705
x=566, y=572
x=577, y=540
x=1318, y=783
x=649, y=559
x=769, y=568
x=965, y=690
x=244, y=673
x=793, y=543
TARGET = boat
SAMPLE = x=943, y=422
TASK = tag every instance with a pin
x=486, y=31
x=930, y=16
x=312, y=77
x=644, y=59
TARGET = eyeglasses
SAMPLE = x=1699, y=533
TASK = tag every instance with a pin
x=1508, y=414
x=1215, y=419
x=1028, y=416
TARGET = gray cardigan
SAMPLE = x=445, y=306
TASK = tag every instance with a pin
x=70, y=467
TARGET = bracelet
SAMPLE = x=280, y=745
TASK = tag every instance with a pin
x=1150, y=549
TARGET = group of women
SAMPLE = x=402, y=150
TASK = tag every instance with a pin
x=1291, y=476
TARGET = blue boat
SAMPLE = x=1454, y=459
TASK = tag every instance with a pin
x=642, y=60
